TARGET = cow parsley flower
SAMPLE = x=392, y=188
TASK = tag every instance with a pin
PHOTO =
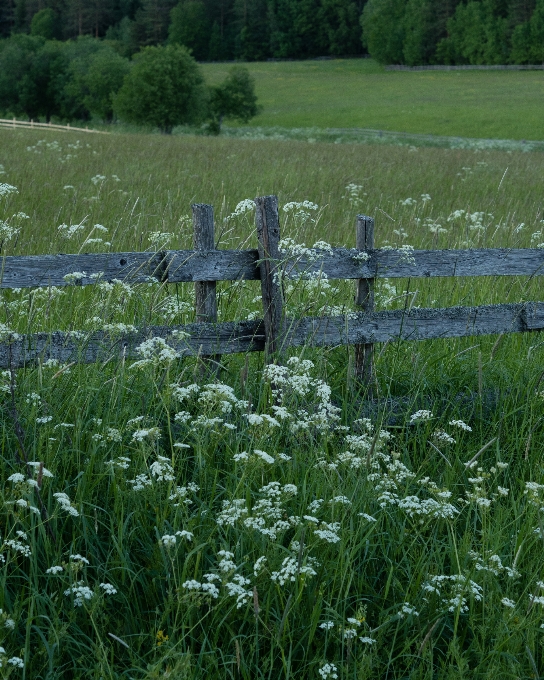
x=328, y=670
x=327, y=625
x=80, y=592
x=420, y=416
x=65, y=503
x=108, y=588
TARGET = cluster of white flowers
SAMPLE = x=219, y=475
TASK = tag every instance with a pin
x=18, y=545
x=453, y=591
x=65, y=503
x=159, y=239
x=407, y=610
x=180, y=494
x=301, y=210
x=162, y=470
x=293, y=383
x=171, y=308
x=7, y=190
x=247, y=205
x=354, y=193
x=206, y=589
x=420, y=416
x=442, y=437
x=150, y=433
x=328, y=532
x=293, y=567
x=70, y=230
x=534, y=493
x=170, y=540
x=461, y=425
x=268, y=515
x=155, y=351
x=80, y=592
x=328, y=670
x=140, y=482
x=236, y=588
x=493, y=564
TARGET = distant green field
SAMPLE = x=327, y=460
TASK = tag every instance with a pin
x=358, y=93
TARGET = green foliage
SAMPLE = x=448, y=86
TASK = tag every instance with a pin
x=190, y=26
x=528, y=38
x=95, y=78
x=45, y=24
x=384, y=30
x=340, y=19
x=29, y=71
x=164, y=88
x=476, y=35
x=233, y=99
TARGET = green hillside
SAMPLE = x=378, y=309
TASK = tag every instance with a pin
x=358, y=93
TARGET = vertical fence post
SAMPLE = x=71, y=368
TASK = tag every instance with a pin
x=205, y=291
x=364, y=299
x=268, y=234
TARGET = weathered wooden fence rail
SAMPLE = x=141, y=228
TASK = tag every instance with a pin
x=174, y=266
x=205, y=265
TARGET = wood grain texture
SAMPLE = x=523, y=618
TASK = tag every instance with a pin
x=268, y=234
x=50, y=270
x=249, y=336
x=364, y=300
x=231, y=265
x=205, y=291
x=205, y=339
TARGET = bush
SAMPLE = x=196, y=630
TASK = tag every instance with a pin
x=95, y=78
x=234, y=98
x=30, y=72
x=164, y=88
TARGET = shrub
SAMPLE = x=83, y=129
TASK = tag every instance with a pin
x=234, y=98
x=164, y=88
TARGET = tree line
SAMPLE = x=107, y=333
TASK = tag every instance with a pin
x=215, y=30
x=392, y=31
x=161, y=86
x=415, y=32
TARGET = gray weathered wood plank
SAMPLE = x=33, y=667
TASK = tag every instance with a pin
x=50, y=270
x=249, y=336
x=86, y=348
x=215, y=265
x=364, y=300
x=270, y=266
x=417, y=324
x=231, y=265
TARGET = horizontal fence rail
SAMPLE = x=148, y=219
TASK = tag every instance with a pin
x=24, y=124
x=206, y=339
x=178, y=266
x=276, y=331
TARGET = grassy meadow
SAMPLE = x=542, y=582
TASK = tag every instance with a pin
x=158, y=522
x=358, y=93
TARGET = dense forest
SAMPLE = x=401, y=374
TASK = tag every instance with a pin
x=392, y=31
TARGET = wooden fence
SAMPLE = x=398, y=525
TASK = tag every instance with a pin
x=275, y=331
x=28, y=124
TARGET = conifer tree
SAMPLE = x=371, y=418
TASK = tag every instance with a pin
x=190, y=26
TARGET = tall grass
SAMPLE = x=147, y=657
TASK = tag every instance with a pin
x=270, y=523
